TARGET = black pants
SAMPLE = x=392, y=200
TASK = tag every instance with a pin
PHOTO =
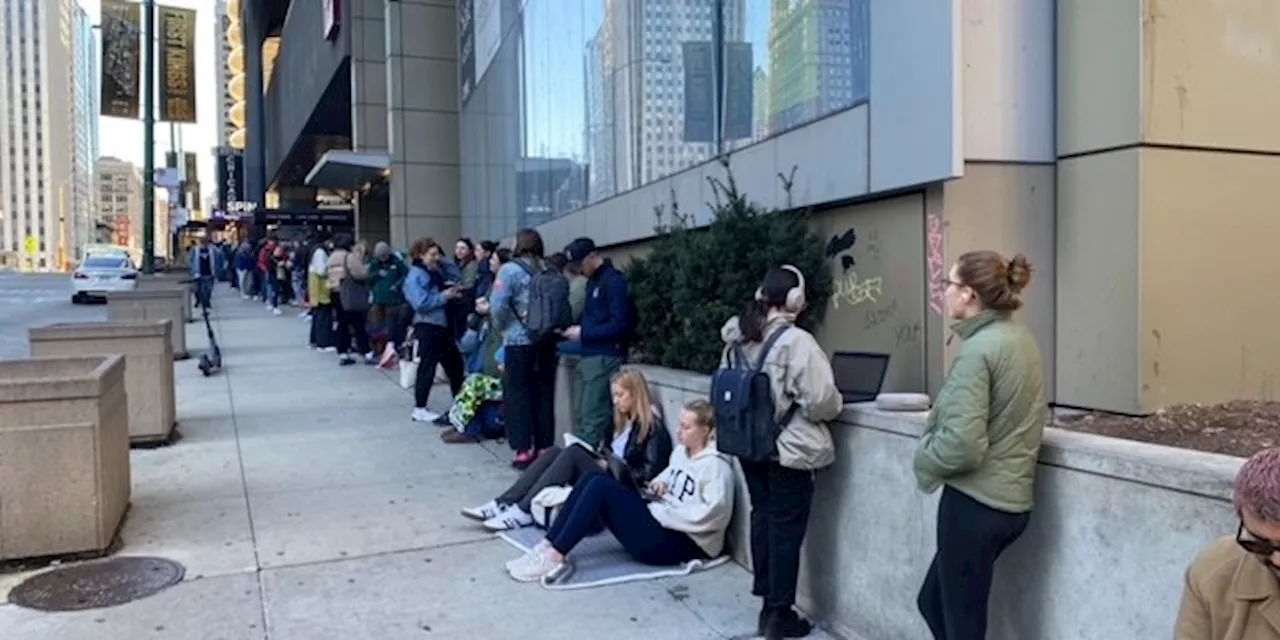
x=436, y=347
x=322, y=326
x=780, y=502
x=971, y=535
x=529, y=394
x=555, y=467
x=351, y=326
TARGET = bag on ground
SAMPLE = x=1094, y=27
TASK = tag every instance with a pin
x=747, y=426
x=547, y=503
x=549, y=312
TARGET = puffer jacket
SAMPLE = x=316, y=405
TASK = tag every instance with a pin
x=984, y=432
x=343, y=263
x=800, y=373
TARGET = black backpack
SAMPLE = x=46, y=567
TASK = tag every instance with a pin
x=742, y=397
x=548, y=312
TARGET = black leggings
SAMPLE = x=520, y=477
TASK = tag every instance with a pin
x=529, y=395
x=780, y=503
x=436, y=347
x=351, y=325
x=555, y=467
x=971, y=535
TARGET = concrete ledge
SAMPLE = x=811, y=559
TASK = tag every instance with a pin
x=1114, y=527
x=64, y=455
x=148, y=352
x=164, y=281
x=149, y=305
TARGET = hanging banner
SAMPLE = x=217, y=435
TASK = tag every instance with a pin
x=121, y=58
x=230, y=180
x=177, y=30
x=466, y=49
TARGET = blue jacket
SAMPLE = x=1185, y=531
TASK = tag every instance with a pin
x=426, y=299
x=511, y=292
x=607, y=318
x=198, y=257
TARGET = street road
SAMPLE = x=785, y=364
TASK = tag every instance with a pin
x=33, y=300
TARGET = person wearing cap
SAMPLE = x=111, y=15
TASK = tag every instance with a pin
x=603, y=336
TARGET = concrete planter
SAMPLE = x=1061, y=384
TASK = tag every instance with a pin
x=150, y=306
x=166, y=281
x=64, y=455
x=148, y=353
x=1114, y=527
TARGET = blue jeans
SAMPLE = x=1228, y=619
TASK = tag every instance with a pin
x=204, y=291
x=598, y=495
x=272, y=291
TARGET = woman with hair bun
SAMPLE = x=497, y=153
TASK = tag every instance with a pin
x=981, y=442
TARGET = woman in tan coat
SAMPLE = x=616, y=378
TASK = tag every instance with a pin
x=348, y=261
x=1233, y=588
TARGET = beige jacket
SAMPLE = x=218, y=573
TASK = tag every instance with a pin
x=1229, y=595
x=800, y=372
x=343, y=263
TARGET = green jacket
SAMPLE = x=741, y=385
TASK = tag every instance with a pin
x=386, y=280
x=577, y=297
x=983, y=435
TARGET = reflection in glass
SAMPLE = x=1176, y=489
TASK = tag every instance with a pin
x=608, y=95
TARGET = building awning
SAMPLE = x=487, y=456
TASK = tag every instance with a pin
x=348, y=170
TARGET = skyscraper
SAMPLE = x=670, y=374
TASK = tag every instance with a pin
x=221, y=36
x=85, y=120
x=45, y=139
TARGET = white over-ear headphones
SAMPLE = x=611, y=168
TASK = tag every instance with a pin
x=796, y=299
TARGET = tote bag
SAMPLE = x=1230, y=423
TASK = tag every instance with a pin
x=354, y=293
x=409, y=364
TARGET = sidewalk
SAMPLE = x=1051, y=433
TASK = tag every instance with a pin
x=306, y=506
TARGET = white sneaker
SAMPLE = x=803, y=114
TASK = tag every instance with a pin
x=423, y=415
x=330, y=349
x=511, y=517
x=275, y=311
x=515, y=565
x=538, y=567
x=490, y=509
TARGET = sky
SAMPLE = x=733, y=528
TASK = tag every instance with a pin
x=123, y=138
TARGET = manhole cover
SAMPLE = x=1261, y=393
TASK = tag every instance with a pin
x=94, y=585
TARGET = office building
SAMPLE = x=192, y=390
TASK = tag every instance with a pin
x=45, y=138
x=1130, y=155
x=120, y=201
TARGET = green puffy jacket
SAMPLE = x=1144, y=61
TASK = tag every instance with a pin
x=983, y=435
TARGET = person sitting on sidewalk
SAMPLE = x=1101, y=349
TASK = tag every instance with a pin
x=1233, y=587
x=603, y=336
x=684, y=516
x=640, y=440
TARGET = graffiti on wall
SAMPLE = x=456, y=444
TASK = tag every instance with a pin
x=936, y=265
x=851, y=289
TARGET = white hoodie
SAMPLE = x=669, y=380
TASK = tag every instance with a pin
x=699, y=497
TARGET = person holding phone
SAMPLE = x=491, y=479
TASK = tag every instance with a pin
x=428, y=295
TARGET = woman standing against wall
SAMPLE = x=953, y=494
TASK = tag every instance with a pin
x=981, y=442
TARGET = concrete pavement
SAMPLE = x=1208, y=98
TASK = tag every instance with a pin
x=37, y=299
x=306, y=506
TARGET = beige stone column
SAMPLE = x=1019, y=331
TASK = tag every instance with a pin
x=1168, y=148
x=367, y=24
x=422, y=115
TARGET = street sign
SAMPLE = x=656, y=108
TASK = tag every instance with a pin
x=32, y=246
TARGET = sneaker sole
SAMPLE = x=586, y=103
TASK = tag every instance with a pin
x=561, y=572
x=473, y=516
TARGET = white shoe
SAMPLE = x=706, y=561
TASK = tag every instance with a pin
x=423, y=415
x=490, y=509
x=330, y=349
x=511, y=517
x=538, y=567
x=275, y=311
x=528, y=557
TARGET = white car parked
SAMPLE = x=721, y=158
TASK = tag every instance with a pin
x=99, y=275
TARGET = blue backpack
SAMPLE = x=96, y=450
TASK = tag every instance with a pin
x=742, y=397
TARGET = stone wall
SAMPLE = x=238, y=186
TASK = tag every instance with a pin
x=1114, y=527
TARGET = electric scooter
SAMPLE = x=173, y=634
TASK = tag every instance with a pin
x=210, y=361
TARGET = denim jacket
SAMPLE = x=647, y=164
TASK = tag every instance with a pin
x=509, y=297
x=427, y=300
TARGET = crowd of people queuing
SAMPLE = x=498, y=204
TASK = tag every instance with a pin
x=497, y=320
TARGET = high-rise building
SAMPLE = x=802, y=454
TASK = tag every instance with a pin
x=85, y=120
x=44, y=187
x=119, y=187
x=813, y=58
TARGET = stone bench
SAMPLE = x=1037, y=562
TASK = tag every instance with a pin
x=148, y=352
x=64, y=455
x=151, y=305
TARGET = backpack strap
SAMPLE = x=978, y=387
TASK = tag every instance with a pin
x=768, y=344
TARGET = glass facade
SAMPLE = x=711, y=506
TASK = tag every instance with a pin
x=570, y=102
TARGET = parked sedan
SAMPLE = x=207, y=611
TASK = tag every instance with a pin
x=98, y=275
